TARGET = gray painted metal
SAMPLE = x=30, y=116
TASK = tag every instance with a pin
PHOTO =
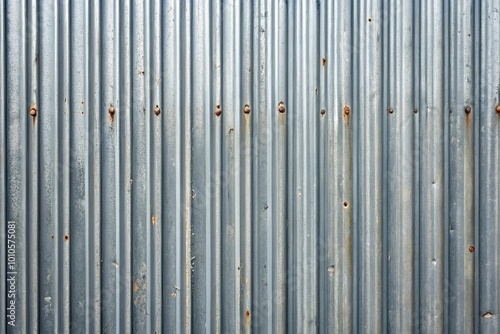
x=265, y=166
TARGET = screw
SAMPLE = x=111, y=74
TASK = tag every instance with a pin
x=281, y=107
x=468, y=110
x=157, y=110
x=111, y=110
x=347, y=110
x=390, y=110
x=246, y=110
x=415, y=110
x=471, y=249
x=498, y=109
x=33, y=111
x=218, y=110
x=323, y=111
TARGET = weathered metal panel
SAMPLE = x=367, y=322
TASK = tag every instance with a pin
x=250, y=166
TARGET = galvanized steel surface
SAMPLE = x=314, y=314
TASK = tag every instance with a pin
x=265, y=166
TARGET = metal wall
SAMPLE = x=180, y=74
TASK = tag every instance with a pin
x=264, y=166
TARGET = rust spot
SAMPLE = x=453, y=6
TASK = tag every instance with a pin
x=247, y=317
x=468, y=110
x=471, y=249
x=135, y=287
x=281, y=107
x=218, y=110
x=157, y=110
x=153, y=220
x=246, y=109
x=33, y=111
x=369, y=19
x=389, y=110
x=347, y=113
x=111, y=112
x=497, y=109
x=324, y=62
x=487, y=315
x=82, y=102
x=346, y=204
x=323, y=112
x=66, y=237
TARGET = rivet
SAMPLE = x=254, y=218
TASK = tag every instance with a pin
x=157, y=110
x=323, y=111
x=33, y=111
x=246, y=109
x=498, y=109
x=390, y=110
x=218, y=110
x=471, y=249
x=468, y=109
x=347, y=110
x=415, y=110
x=111, y=110
x=281, y=107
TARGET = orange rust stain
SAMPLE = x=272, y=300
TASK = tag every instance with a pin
x=324, y=62
x=247, y=318
x=347, y=114
x=135, y=287
x=467, y=119
x=153, y=220
x=66, y=237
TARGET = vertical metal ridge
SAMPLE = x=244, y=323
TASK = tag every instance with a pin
x=32, y=320
x=107, y=203
x=93, y=169
x=216, y=272
x=246, y=99
x=281, y=167
x=230, y=170
x=460, y=285
x=187, y=158
x=156, y=227
x=323, y=116
x=431, y=187
x=64, y=158
x=124, y=121
x=489, y=170
x=400, y=192
x=369, y=113
x=140, y=187
x=292, y=193
x=268, y=101
x=235, y=112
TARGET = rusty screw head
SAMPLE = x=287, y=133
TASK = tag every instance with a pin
x=323, y=111
x=246, y=109
x=498, y=109
x=111, y=110
x=157, y=110
x=218, y=110
x=281, y=107
x=390, y=110
x=347, y=110
x=33, y=111
x=471, y=249
x=468, y=109
x=415, y=110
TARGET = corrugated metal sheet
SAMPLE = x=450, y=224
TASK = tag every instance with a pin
x=237, y=166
